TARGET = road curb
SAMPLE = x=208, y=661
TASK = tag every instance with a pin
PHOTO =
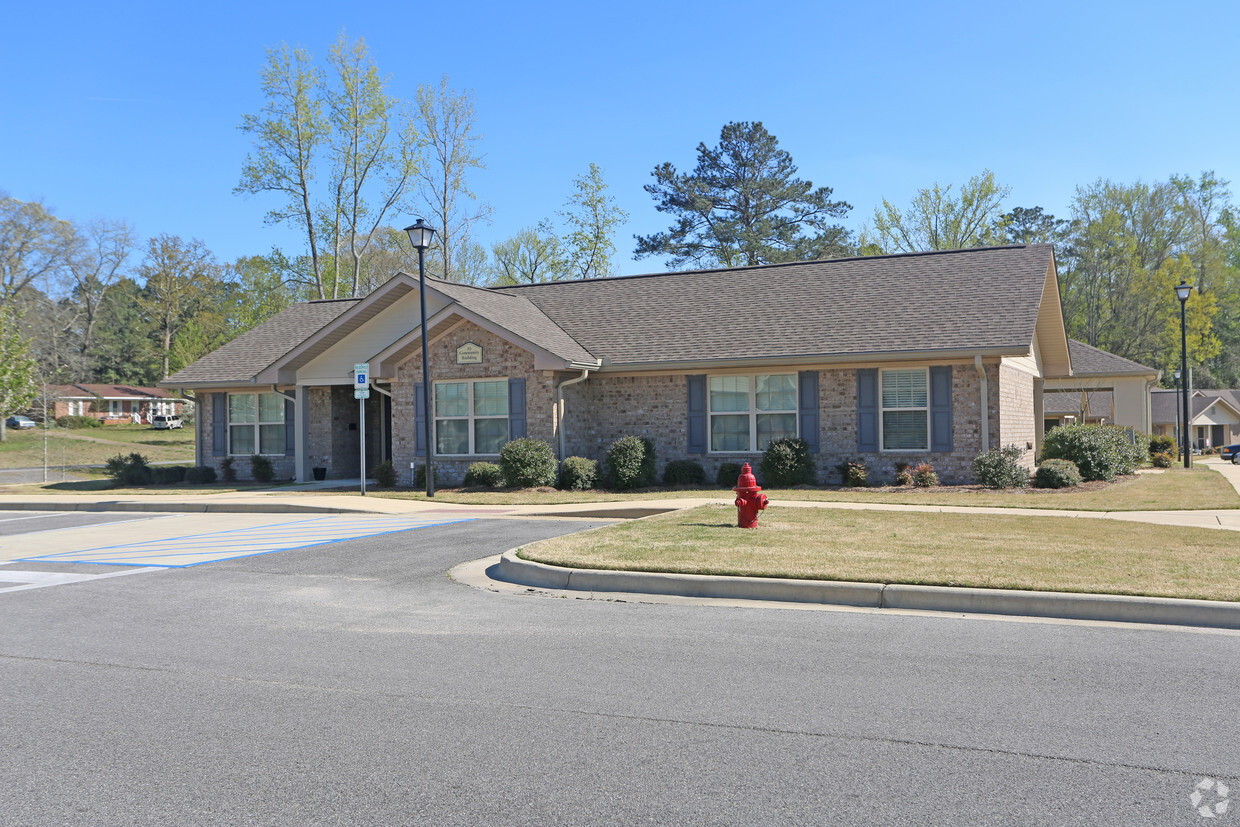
x=182, y=507
x=1063, y=605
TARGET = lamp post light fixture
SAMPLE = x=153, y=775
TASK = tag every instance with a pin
x=1182, y=292
x=421, y=236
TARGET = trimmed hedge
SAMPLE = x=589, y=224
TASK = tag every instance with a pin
x=130, y=471
x=261, y=468
x=630, y=463
x=1164, y=444
x=727, y=475
x=78, y=422
x=1056, y=473
x=169, y=474
x=684, y=472
x=786, y=462
x=1002, y=468
x=200, y=475
x=578, y=474
x=483, y=475
x=528, y=463
x=385, y=474
x=1100, y=452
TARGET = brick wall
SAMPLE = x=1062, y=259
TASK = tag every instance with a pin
x=604, y=408
x=1017, y=424
x=285, y=467
x=500, y=359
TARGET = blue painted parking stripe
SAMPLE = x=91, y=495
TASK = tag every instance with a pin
x=131, y=558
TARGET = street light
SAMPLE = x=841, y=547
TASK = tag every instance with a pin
x=1177, y=407
x=420, y=236
x=1182, y=291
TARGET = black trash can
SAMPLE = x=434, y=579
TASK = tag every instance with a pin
x=320, y=474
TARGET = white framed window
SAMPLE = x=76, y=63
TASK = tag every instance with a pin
x=748, y=411
x=471, y=417
x=255, y=424
x=904, y=395
x=76, y=407
x=114, y=407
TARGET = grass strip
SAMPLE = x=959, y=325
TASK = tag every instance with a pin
x=1002, y=551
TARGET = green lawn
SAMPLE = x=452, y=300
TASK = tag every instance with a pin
x=1002, y=551
x=93, y=446
x=1175, y=489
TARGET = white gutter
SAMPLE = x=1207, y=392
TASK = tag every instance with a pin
x=985, y=399
x=559, y=404
x=375, y=387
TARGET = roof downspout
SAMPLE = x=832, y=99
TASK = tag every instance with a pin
x=559, y=405
x=985, y=400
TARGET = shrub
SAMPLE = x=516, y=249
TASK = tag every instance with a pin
x=578, y=474
x=168, y=474
x=419, y=476
x=1056, y=473
x=903, y=475
x=1100, y=452
x=1159, y=444
x=854, y=473
x=684, y=472
x=261, y=468
x=227, y=471
x=786, y=462
x=727, y=475
x=484, y=475
x=130, y=471
x=1163, y=459
x=385, y=474
x=200, y=475
x=1002, y=468
x=527, y=463
x=630, y=463
x=78, y=422
x=924, y=475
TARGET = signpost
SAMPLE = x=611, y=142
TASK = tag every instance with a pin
x=361, y=392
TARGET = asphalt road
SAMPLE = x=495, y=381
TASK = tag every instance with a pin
x=354, y=683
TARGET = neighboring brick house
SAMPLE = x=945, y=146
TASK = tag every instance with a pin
x=921, y=357
x=114, y=404
x=1103, y=388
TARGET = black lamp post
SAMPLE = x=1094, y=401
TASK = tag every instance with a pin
x=420, y=235
x=1178, y=431
x=1182, y=291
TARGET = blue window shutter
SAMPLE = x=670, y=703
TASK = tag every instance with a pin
x=807, y=407
x=419, y=420
x=290, y=429
x=219, y=424
x=867, y=409
x=941, y=408
x=697, y=413
x=516, y=408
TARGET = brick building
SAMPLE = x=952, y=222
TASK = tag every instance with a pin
x=114, y=404
x=906, y=358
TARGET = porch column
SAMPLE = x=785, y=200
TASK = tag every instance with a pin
x=301, y=422
x=1039, y=414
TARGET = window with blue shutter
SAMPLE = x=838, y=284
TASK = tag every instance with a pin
x=941, y=408
x=696, y=384
x=867, y=409
x=419, y=419
x=807, y=407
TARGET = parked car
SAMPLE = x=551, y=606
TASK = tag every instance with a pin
x=1231, y=453
x=18, y=421
x=162, y=422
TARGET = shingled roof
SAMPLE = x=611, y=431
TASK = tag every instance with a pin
x=976, y=300
x=1165, y=402
x=245, y=356
x=1088, y=360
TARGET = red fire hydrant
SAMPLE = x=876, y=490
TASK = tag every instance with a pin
x=749, y=499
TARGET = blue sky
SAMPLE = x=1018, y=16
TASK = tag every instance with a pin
x=130, y=110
